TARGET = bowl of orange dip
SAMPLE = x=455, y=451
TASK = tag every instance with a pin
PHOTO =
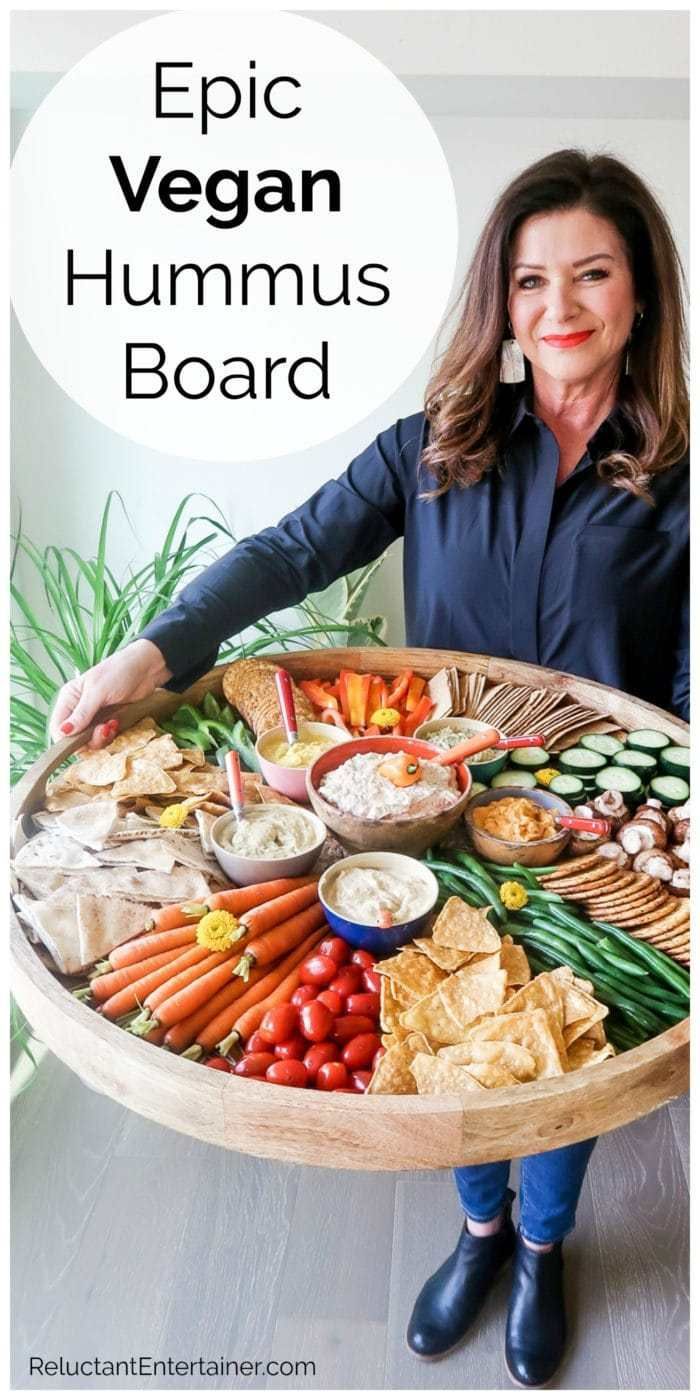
x=509, y=825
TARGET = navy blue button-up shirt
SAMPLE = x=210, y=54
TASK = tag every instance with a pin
x=581, y=577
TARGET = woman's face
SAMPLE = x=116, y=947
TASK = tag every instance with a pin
x=571, y=298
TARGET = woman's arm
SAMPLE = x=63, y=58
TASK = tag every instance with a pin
x=344, y=525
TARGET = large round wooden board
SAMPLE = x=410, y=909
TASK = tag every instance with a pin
x=377, y=1133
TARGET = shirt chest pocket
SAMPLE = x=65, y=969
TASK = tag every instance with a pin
x=621, y=570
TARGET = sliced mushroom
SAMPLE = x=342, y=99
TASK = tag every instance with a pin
x=677, y=814
x=656, y=863
x=648, y=813
x=681, y=832
x=654, y=802
x=611, y=805
x=641, y=834
x=611, y=851
x=682, y=852
x=680, y=881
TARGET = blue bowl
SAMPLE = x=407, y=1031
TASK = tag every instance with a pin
x=381, y=941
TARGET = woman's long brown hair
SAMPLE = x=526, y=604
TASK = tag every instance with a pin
x=463, y=404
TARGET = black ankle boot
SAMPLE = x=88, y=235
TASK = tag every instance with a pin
x=449, y=1302
x=536, y=1326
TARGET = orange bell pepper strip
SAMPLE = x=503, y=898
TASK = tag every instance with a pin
x=357, y=694
x=316, y=692
x=414, y=692
x=419, y=715
x=378, y=695
x=398, y=689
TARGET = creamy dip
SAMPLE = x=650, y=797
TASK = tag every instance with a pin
x=448, y=738
x=363, y=893
x=358, y=788
x=307, y=749
x=275, y=830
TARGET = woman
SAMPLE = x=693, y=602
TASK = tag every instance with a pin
x=542, y=498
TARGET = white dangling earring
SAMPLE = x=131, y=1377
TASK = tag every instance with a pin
x=512, y=362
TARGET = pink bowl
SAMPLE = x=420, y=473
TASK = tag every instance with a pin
x=292, y=781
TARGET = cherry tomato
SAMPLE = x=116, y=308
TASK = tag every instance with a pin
x=254, y=1066
x=347, y=1027
x=320, y=1054
x=363, y=1004
x=318, y=970
x=256, y=1045
x=218, y=1062
x=371, y=981
x=346, y=1089
x=332, y=1075
x=293, y=1049
x=279, y=1023
x=332, y=1000
x=360, y=1079
x=363, y=959
x=335, y=948
x=379, y=1055
x=348, y=981
x=316, y=1021
x=290, y=1072
x=360, y=1051
x=302, y=994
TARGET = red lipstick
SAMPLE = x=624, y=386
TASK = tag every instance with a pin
x=567, y=342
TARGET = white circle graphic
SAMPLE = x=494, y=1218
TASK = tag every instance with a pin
x=234, y=235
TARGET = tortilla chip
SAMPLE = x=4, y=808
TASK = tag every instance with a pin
x=412, y=971
x=480, y=964
x=532, y=1029
x=445, y=1014
x=491, y=1076
x=434, y=1076
x=449, y=959
x=584, y=1053
x=144, y=779
x=417, y=1043
x=460, y=926
x=519, y=1061
x=390, y=1008
x=393, y=1074
x=543, y=991
x=441, y=694
x=513, y=960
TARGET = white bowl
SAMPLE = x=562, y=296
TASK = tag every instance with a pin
x=253, y=870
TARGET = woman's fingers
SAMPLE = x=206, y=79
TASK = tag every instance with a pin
x=130, y=674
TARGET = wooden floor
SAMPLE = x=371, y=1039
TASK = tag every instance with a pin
x=131, y=1240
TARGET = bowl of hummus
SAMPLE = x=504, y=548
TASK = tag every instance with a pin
x=447, y=733
x=284, y=766
x=517, y=824
x=273, y=840
x=378, y=900
x=360, y=792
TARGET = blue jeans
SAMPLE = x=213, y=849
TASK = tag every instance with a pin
x=550, y=1185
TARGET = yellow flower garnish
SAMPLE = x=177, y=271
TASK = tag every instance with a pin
x=173, y=816
x=544, y=776
x=513, y=894
x=385, y=718
x=218, y=931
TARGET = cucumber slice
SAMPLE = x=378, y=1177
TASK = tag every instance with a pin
x=569, y=787
x=476, y=788
x=676, y=761
x=642, y=763
x=601, y=743
x=582, y=762
x=513, y=777
x=533, y=758
x=648, y=740
x=623, y=780
x=673, y=792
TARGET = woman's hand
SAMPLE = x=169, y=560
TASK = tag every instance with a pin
x=131, y=674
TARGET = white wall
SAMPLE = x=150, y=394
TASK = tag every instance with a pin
x=64, y=462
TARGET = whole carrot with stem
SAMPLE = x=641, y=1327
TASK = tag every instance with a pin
x=185, y=1032
x=149, y=944
x=234, y=901
x=276, y=911
x=269, y=947
x=133, y=994
x=257, y=999
x=108, y=984
x=196, y=993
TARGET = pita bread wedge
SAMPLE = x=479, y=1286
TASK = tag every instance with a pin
x=54, y=850
x=105, y=923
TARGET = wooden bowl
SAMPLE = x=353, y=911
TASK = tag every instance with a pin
x=544, y=852
x=405, y=1132
x=409, y=835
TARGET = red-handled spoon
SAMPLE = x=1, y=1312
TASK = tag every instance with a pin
x=488, y=739
x=518, y=741
x=283, y=681
x=596, y=825
x=235, y=784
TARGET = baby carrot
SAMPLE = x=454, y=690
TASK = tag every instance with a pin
x=275, y=911
x=240, y=901
x=148, y=944
x=198, y=992
x=133, y=994
x=270, y=946
x=222, y=1026
x=109, y=983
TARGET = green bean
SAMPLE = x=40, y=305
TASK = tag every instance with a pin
x=665, y=966
x=622, y=963
x=547, y=896
x=526, y=875
x=481, y=881
x=641, y=1016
